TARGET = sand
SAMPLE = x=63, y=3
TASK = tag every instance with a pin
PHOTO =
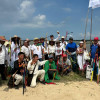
x=84, y=90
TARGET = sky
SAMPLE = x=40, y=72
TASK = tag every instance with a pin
x=35, y=18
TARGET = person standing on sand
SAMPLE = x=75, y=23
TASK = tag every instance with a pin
x=15, y=49
x=29, y=46
x=37, y=49
x=3, y=58
x=63, y=43
x=80, y=56
x=25, y=50
x=71, y=49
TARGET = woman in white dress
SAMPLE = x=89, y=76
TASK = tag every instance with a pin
x=80, y=57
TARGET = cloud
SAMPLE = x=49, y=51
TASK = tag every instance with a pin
x=26, y=9
x=67, y=9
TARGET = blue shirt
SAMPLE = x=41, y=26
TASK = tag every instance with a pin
x=71, y=47
x=93, y=50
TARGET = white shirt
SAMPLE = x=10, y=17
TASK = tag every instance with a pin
x=51, y=49
x=31, y=67
x=25, y=50
x=2, y=56
x=37, y=50
x=64, y=45
x=58, y=51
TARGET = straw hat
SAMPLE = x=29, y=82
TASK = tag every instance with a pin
x=2, y=38
x=62, y=37
x=6, y=43
x=36, y=39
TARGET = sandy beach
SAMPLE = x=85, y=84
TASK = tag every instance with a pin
x=84, y=90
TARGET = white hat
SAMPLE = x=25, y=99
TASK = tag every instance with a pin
x=81, y=41
x=62, y=37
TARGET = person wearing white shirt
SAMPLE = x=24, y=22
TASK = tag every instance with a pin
x=37, y=49
x=25, y=50
x=2, y=62
x=15, y=49
x=59, y=48
x=51, y=47
x=29, y=46
x=63, y=43
x=32, y=67
x=52, y=37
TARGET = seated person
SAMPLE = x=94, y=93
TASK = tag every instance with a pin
x=65, y=66
x=18, y=69
x=50, y=70
x=32, y=67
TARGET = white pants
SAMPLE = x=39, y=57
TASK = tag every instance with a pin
x=81, y=61
x=18, y=78
x=40, y=73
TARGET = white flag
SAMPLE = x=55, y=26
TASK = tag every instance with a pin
x=94, y=3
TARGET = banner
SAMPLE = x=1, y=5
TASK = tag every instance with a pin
x=94, y=3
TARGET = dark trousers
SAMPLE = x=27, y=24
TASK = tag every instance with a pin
x=40, y=67
x=73, y=61
x=50, y=74
x=2, y=71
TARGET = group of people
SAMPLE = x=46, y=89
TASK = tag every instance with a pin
x=44, y=60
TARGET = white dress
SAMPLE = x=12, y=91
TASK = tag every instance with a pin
x=14, y=54
x=80, y=59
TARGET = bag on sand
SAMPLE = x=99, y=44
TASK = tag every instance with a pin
x=88, y=72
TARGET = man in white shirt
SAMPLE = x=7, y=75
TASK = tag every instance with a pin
x=3, y=57
x=63, y=43
x=37, y=49
x=25, y=50
x=52, y=37
x=2, y=62
x=32, y=67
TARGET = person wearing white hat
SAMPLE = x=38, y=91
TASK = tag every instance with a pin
x=37, y=49
x=80, y=56
x=63, y=43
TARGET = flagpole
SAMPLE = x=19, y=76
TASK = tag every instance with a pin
x=86, y=24
x=91, y=27
x=86, y=29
